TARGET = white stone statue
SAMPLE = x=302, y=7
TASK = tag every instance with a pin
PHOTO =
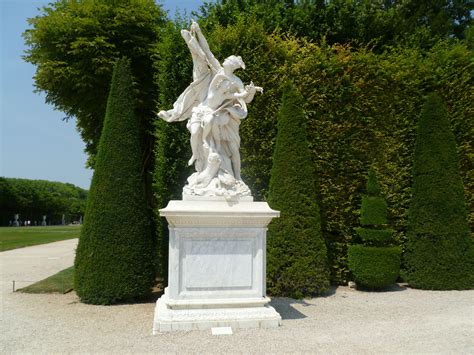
x=214, y=103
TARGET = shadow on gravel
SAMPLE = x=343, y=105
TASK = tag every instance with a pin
x=391, y=288
x=284, y=307
x=156, y=293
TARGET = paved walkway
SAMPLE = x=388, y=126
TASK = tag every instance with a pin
x=345, y=322
x=31, y=264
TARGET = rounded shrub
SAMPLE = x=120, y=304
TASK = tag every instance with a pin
x=115, y=256
x=439, y=251
x=374, y=267
x=297, y=261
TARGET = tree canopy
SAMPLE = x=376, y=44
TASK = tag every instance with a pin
x=74, y=45
x=32, y=199
x=360, y=22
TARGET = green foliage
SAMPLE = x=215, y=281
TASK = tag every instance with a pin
x=115, y=256
x=375, y=22
x=375, y=236
x=32, y=199
x=374, y=267
x=173, y=67
x=373, y=211
x=351, y=121
x=373, y=187
x=74, y=45
x=439, y=253
x=374, y=264
x=297, y=261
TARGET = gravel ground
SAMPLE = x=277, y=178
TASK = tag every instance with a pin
x=347, y=321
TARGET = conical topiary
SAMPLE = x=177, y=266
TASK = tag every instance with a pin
x=114, y=258
x=439, y=252
x=297, y=261
x=374, y=264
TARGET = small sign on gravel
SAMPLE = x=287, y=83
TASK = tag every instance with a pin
x=221, y=331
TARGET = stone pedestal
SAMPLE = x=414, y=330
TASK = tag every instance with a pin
x=217, y=258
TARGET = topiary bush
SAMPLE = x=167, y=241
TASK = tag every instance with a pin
x=374, y=263
x=114, y=258
x=297, y=261
x=439, y=252
x=374, y=267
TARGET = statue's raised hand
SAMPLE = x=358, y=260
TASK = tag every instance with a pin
x=195, y=27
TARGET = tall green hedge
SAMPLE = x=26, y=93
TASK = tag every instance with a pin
x=173, y=67
x=297, y=261
x=115, y=256
x=440, y=253
x=351, y=120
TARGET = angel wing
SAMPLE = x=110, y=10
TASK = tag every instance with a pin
x=205, y=66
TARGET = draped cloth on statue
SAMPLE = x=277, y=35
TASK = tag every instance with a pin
x=196, y=92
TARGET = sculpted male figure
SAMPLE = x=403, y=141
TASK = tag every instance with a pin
x=214, y=103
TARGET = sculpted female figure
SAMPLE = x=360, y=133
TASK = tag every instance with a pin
x=214, y=103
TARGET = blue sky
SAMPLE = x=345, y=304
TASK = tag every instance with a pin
x=35, y=142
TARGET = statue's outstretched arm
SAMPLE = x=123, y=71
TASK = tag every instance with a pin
x=213, y=62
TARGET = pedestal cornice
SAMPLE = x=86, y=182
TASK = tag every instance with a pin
x=218, y=213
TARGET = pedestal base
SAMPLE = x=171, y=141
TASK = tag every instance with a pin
x=217, y=258
x=236, y=316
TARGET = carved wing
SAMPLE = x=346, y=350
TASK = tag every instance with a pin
x=203, y=72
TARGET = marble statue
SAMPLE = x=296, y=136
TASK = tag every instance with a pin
x=214, y=104
x=15, y=221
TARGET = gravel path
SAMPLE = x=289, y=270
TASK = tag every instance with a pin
x=346, y=322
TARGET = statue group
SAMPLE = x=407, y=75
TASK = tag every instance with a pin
x=216, y=248
x=214, y=104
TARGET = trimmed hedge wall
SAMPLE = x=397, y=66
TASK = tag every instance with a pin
x=115, y=256
x=360, y=107
x=440, y=253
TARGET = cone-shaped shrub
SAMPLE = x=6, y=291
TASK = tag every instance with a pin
x=439, y=252
x=114, y=258
x=297, y=261
x=374, y=264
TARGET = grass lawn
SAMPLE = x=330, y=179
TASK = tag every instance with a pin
x=19, y=237
x=61, y=282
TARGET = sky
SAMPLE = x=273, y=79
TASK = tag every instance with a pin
x=35, y=143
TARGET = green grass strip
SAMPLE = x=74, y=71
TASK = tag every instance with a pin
x=61, y=282
x=20, y=237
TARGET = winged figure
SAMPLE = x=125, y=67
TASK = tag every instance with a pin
x=214, y=104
